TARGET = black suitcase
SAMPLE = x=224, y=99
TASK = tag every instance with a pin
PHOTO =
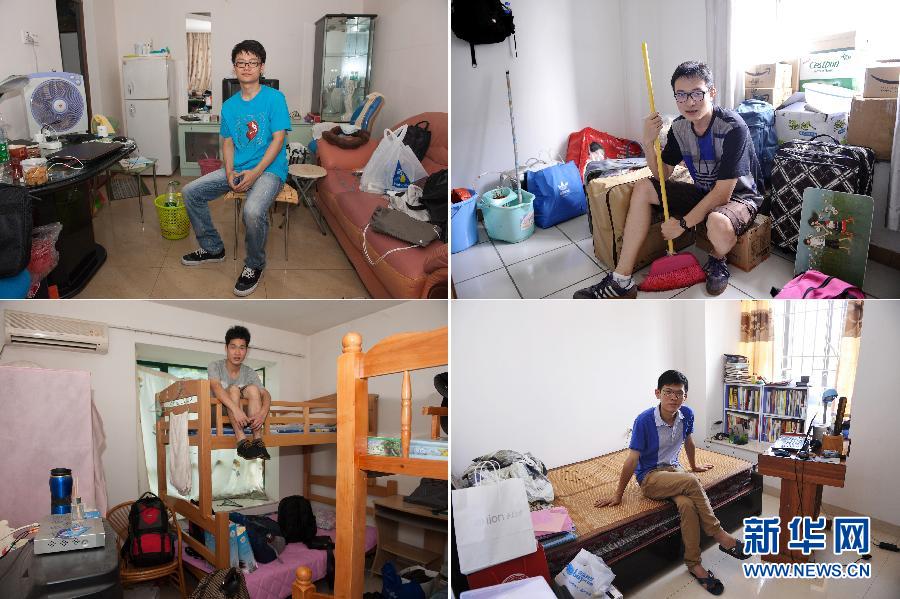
x=822, y=164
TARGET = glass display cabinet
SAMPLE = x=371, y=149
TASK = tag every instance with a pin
x=343, y=65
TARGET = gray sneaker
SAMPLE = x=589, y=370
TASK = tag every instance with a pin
x=607, y=289
x=716, y=275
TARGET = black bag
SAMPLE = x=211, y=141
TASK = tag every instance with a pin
x=296, y=519
x=418, y=139
x=15, y=229
x=431, y=493
x=825, y=165
x=265, y=536
x=402, y=226
x=481, y=22
x=149, y=542
x=435, y=193
x=222, y=584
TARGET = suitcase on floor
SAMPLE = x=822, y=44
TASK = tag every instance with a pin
x=608, y=201
x=821, y=164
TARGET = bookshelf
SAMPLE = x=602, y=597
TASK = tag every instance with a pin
x=765, y=411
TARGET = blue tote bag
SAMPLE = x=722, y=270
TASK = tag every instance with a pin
x=558, y=194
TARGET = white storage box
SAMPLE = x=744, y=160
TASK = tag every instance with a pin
x=828, y=98
x=796, y=122
x=833, y=68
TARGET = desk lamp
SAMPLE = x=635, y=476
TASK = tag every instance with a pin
x=827, y=397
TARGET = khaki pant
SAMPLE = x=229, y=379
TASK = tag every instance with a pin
x=669, y=482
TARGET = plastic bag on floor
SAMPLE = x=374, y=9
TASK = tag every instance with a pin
x=586, y=576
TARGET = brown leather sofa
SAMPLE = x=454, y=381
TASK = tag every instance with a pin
x=412, y=273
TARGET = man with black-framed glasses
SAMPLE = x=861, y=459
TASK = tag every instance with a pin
x=656, y=439
x=715, y=145
x=255, y=122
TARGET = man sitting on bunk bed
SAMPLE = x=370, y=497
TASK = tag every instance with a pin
x=230, y=380
x=656, y=439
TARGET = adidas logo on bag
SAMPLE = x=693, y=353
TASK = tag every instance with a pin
x=563, y=187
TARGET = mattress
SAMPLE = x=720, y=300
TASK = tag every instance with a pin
x=274, y=580
x=613, y=532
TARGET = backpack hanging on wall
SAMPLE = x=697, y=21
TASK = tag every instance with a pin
x=482, y=22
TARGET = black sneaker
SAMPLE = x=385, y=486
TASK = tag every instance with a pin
x=247, y=450
x=717, y=275
x=607, y=289
x=201, y=256
x=261, y=449
x=247, y=282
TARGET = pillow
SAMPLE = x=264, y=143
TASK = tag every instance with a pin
x=324, y=518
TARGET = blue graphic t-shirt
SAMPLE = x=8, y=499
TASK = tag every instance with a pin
x=250, y=125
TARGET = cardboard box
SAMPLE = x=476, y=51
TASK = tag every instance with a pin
x=882, y=80
x=752, y=248
x=833, y=68
x=774, y=96
x=795, y=122
x=772, y=74
x=872, y=125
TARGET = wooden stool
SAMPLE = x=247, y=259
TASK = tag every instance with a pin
x=287, y=195
x=305, y=176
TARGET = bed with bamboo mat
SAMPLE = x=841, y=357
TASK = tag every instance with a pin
x=289, y=424
x=401, y=353
x=616, y=532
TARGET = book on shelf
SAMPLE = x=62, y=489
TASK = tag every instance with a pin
x=737, y=369
x=743, y=398
x=785, y=402
x=773, y=427
x=740, y=422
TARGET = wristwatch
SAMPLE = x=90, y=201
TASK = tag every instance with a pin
x=683, y=224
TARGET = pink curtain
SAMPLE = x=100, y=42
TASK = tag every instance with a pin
x=48, y=422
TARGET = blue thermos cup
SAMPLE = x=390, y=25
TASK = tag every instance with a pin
x=60, y=491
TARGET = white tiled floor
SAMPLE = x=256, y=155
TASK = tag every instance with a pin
x=675, y=582
x=556, y=262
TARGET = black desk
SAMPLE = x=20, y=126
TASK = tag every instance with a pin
x=88, y=573
x=66, y=198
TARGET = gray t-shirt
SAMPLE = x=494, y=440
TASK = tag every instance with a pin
x=247, y=376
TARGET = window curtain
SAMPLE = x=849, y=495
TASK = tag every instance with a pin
x=723, y=49
x=849, y=356
x=893, y=210
x=757, y=336
x=199, y=61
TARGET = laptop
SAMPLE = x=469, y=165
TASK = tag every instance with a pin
x=789, y=442
x=87, y=152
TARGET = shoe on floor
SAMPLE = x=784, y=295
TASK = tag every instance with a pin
x=607, y=289
x=247, y=450
x=247, y=282
x=710, y=583
x=716, y=275
x=261, y=449
x=201, y=256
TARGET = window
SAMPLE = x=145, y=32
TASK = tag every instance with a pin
x=183, y=371
x=808, y=340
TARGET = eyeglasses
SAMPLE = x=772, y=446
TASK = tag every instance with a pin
x=244, y=64
x=696, y=95
x=675, y=394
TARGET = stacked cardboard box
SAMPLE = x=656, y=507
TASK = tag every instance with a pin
x=770, y=82
x=833, y=68
x=873, y=115
x=751, y=249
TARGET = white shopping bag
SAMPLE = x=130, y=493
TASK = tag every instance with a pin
x=493, y=524
x=393, y=165
x=586, y=576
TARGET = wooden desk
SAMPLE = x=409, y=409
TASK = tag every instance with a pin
x=390, y=513
x=801, y=495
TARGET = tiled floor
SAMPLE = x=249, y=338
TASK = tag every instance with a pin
x=143, y=264
x=676, y=583
x=556, y=262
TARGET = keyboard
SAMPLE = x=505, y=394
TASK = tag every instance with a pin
x=794, y=442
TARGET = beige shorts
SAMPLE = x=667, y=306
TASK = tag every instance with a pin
x=682, y=197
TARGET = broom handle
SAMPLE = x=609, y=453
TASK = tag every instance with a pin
x=659, y=163
x=512, y=124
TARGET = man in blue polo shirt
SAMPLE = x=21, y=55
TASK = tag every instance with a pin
x=254, y=124
x=656, y=439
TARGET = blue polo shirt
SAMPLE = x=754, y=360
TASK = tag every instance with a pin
x=251, y=123
x=658, y=443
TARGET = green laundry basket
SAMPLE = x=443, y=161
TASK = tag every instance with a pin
x=173, y=220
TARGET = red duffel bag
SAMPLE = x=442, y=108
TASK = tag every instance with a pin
x=579, y=148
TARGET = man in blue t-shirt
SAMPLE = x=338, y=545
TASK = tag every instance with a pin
x=255, y=122
x=714, y=143
x=656, y=439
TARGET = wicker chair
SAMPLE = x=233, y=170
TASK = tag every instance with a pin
x=130, y=574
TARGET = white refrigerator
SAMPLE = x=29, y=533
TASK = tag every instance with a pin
x=151, y=109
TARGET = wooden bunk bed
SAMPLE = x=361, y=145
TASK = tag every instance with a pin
x=289, y=424
x=401, y=353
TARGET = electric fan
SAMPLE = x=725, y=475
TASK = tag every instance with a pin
x=56, y=100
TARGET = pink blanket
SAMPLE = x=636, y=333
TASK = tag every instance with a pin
x=274, y=580
x=49, y=422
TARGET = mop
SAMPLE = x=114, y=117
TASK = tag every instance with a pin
x=672, y=271
x=512, y=124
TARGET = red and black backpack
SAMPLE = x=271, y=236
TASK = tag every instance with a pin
x=149, y=542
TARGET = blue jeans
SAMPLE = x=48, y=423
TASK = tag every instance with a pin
x=197, y=195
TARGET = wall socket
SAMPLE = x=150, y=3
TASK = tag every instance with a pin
x=29, y=38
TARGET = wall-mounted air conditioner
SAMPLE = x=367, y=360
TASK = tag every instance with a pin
x=25, y=329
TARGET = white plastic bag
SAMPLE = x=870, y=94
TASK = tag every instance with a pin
x=393, y=165
x=408, y=201
x=493, y=524
x=586, y=576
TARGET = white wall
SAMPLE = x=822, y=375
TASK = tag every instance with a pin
x=410, y=62
x=565, y=384
x=113, y=374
